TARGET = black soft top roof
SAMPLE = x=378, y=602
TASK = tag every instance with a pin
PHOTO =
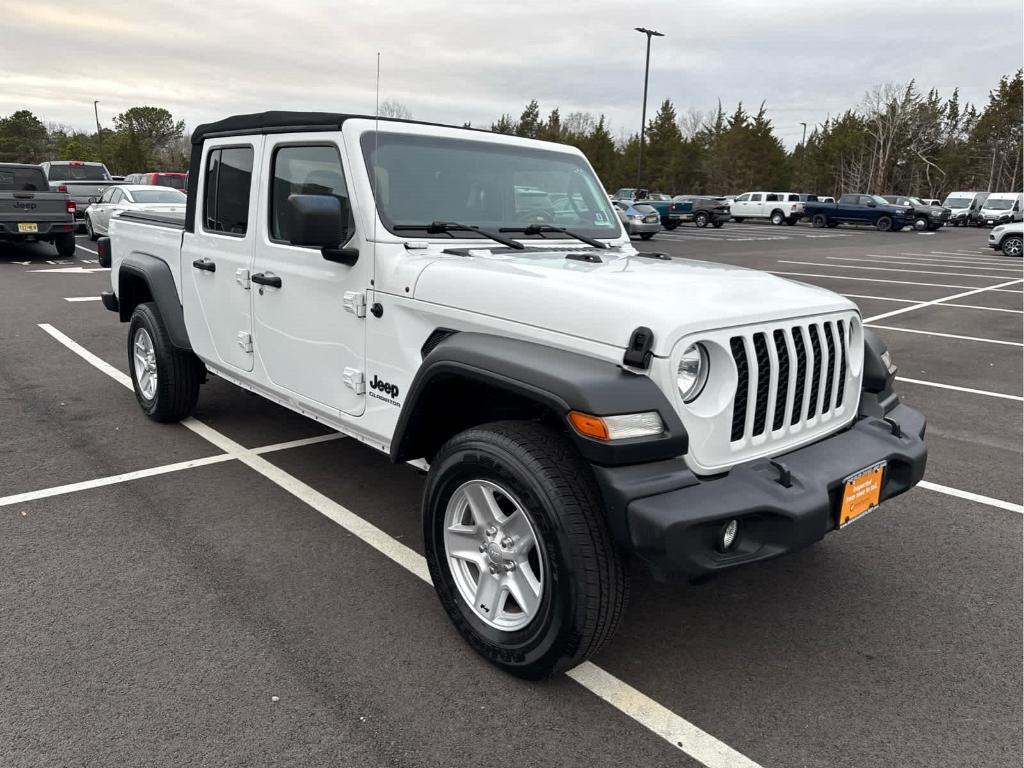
x=286, y=122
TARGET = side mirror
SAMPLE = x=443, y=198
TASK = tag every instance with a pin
x=318, y=221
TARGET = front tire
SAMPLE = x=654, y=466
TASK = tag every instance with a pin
x=671, y=224
x=701, y=220
x=921, y=224
x=738, y=219
x=646, y=235
x=89, y=229
x=518, y=493
x=166, y=379
x=65, y=245
x=1013, y=245
x=884, y=224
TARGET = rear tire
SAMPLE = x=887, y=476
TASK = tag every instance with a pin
x=884, y=224
x=791, y=221
x=166, y=380
x=717, y=224
x=65, y=245
x=833, y=224
x=738, y=219
x=671, y=224
x=701, y=220
x=529, y=484
x=646, y=235
x=1012, y=245
x=818, y=220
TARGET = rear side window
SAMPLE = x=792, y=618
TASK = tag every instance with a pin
x=228, y=183
x=23, y=180
x=771, y=197
x=309, y=170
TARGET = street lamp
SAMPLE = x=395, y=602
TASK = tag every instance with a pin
x=643, y=117
x=804, y=139
x=96, y=112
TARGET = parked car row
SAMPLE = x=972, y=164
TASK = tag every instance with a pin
x=984, y=209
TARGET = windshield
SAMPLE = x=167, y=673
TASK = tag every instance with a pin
x=156, y=195
x=23, y=180
x=998, y=205
x=958, y=202
x=77, y=173
x=423, y=179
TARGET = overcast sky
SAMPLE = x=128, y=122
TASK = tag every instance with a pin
x=455, y=61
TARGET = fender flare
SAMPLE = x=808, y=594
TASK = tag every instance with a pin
x=157, y=276
x=553, y=379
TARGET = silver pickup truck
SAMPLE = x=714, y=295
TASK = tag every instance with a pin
x=83, y=181
x=30, y=212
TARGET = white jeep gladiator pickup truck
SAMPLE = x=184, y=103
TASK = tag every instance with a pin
x=574, y=401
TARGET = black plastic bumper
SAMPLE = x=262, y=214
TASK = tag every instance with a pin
x=676, y=530
x=109, y=300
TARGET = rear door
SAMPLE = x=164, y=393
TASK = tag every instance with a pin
x=216, y=257
x=310, y=329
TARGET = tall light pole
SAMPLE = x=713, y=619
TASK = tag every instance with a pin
x=804, y=139
x=643, y=117
x=96, y=111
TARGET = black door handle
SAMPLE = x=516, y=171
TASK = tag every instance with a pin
x=262, y=279
x=204, y=264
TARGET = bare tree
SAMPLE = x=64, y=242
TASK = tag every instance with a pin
x=395, y=109
x=691, y=122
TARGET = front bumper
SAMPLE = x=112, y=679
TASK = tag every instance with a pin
x=675, y=529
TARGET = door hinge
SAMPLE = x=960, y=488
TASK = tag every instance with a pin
x=355, y=380
x=245, y=341
x=355, y=302
x=242, y=278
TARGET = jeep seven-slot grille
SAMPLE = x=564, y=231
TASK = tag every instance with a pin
x=809, y=364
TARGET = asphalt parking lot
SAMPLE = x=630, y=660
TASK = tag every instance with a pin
x=242, y=590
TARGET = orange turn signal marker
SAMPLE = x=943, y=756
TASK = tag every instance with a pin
x=588, y=426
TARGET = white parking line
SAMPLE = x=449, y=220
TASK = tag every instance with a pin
x=872, y=259
x=81, y=298
x=1009, y=506
x=952, y=259
x=892, y=269
x=679, y=732
x=941, y=304
x=882, y=280
x=90, y=250
x=933, y=302
x=944, y=335
x=984, y=392
x=125, y=477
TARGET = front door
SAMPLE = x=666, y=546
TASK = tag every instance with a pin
x=309, y=320
x=217, y=255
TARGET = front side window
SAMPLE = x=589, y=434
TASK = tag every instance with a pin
x=228, y=183
x=116, y=196
x=755, y=198
x=743, y=198
x=109, y=193
x=307, y=170
x=418, y=180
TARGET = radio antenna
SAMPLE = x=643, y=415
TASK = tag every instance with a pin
x=373, y=169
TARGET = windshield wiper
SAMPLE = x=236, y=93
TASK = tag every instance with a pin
x=536, y=229
x=439, y=227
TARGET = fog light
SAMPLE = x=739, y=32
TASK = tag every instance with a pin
x=727, y=535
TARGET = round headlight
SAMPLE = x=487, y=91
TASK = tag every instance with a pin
x=692, y=372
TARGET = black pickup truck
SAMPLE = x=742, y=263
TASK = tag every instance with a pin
x=860, y=209
x=926, y=215
x=30, y=212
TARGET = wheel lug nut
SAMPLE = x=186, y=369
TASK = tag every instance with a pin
x=507, y=542
x=510, y=566
x=483, y=547
x=493, y=569
x=491, y=530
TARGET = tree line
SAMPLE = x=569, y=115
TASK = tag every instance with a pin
x=142, y=139
x=898, y=139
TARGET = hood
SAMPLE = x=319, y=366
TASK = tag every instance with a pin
x=605, y=302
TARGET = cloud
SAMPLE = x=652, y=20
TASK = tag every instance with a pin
x=462, y=61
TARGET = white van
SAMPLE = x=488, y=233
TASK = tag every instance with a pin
x=777, y=207
x=964, y=207
x=1001, y=208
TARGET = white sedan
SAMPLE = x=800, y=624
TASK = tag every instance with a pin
x=131, y=197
